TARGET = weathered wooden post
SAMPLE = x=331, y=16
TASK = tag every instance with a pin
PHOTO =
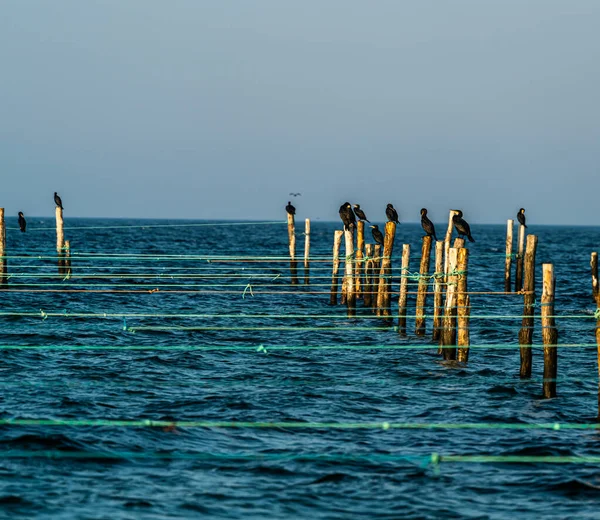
x=437, y=289
x=463, y=305
x=549, y=332
x=349, y=264
x=67, y=259
x=519, y=273
x=447, y=241
x=292, y=244
x=375, y=276
x=403, y=297
x=422, y=287
x=359, y=267
x=385, y=272
x=594, y=266
x=526, y=332
x=3, y=260
x=448, y=336
x=508, y=261
x=307, y=251
x=368, y=285
x=598, y=349
x=60, y=232
x=337, y=240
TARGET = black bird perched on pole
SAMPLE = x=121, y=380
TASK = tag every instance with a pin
x=22, y=222
x=427, y=224
x=290, y=209
x=461, y=225
x=360, y=213
x=347, y=216
x=377, y=235
x=392, y=214
x=521, y=217
x=57, y=201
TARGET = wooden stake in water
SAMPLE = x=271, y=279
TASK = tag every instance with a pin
x=375, y=276
x=403, y=298
x=422, y=288
x=463, y=305
x=598, y=350
x=437, y=289
x=359, y=266
x=60, y=232
x=508, y=261
x=448, y=336
x=3, y=261
x=337, y=240
x=447, y=243
x=292, y=244
x=526, y=332
x=67, y=259
x=368, y=285
x=384, y=297
x=594, y=266
x=519, y=273
x=306, y=251
x=349, y=270
x=549, y=332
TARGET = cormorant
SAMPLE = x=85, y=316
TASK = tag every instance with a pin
x=461, y=225
x=22, y=222
x=290, y=209
x=521, y=216
x=392, y=214
x=377, y=235
x=347, y=216
x=295, y=194
x=57, y=201
x=360, y=213
x=427, y=224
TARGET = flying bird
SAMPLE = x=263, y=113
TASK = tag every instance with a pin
x=377, y=235
x=461, y=225
x=295, y=194
x=22, y=222
x=427, y=224
x=521, y=217
x=360, y=213
x=392, y=214
x=57, y=201
x=290, y=209
x=347, y=216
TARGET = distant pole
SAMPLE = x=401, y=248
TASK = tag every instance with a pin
x=520, y=259
x=385, y=272
x=594, y=266
x=549, y=332
x=3, y=261
x=508, y=260
x=403, y=298
x=368, y=287
x=437, y=289
x=526, y=332
x=349, y=264
x=463, y=305
x=337, y=240
x=306, y=251
x=448, y=336
x=359, y=267
x=422, y=287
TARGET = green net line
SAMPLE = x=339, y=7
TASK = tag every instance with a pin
x=143, y=226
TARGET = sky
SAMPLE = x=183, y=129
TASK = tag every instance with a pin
x=219, y=109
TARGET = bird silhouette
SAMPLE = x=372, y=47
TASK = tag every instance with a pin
x=521, y=217
x=295, y=194
x=22, y=222
x=360, y=213
x=57, y=201
x=392, y=214
x=377, y=235
x=461, y=225
x=290, y=209
x=427, y=225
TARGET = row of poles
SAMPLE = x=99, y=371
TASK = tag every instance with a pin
x=63, y=248
x=368, y=276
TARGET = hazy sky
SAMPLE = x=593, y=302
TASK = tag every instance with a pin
x=218, y=109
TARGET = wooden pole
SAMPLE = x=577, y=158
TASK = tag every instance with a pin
x=448, y=336
x=437, y=289
x=359, y=268
x=519, y=273
x=422, y=287
x=3, y=261
x=526, y=332
x=508, y=261
x=337, y=240
x=375, y=276
x=60, y=232
x=549, y=331
x=385, y=272
x=306, y=251
x=463, y=304
x=368, y=285
x=594, y=266
x=292, y=244
x=67, y=259
x=598, y=350
x=403, y=298
x=447, y=241
x=349, y=270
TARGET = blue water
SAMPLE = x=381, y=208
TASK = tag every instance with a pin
x=150, y=472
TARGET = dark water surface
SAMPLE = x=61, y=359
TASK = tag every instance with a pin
x=102, y=471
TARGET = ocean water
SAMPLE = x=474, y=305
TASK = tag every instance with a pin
x=243, y=357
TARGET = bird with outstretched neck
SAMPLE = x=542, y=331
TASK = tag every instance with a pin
x=347, y=216
x=22, y=222
x=290, y=209
x=57, y=201
x=377, y=235
x=462, y=226
x=521, y=217
x=427, y=225
x=360, y=213
x=392, y=214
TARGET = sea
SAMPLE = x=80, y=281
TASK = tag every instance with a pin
x=173, y=371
